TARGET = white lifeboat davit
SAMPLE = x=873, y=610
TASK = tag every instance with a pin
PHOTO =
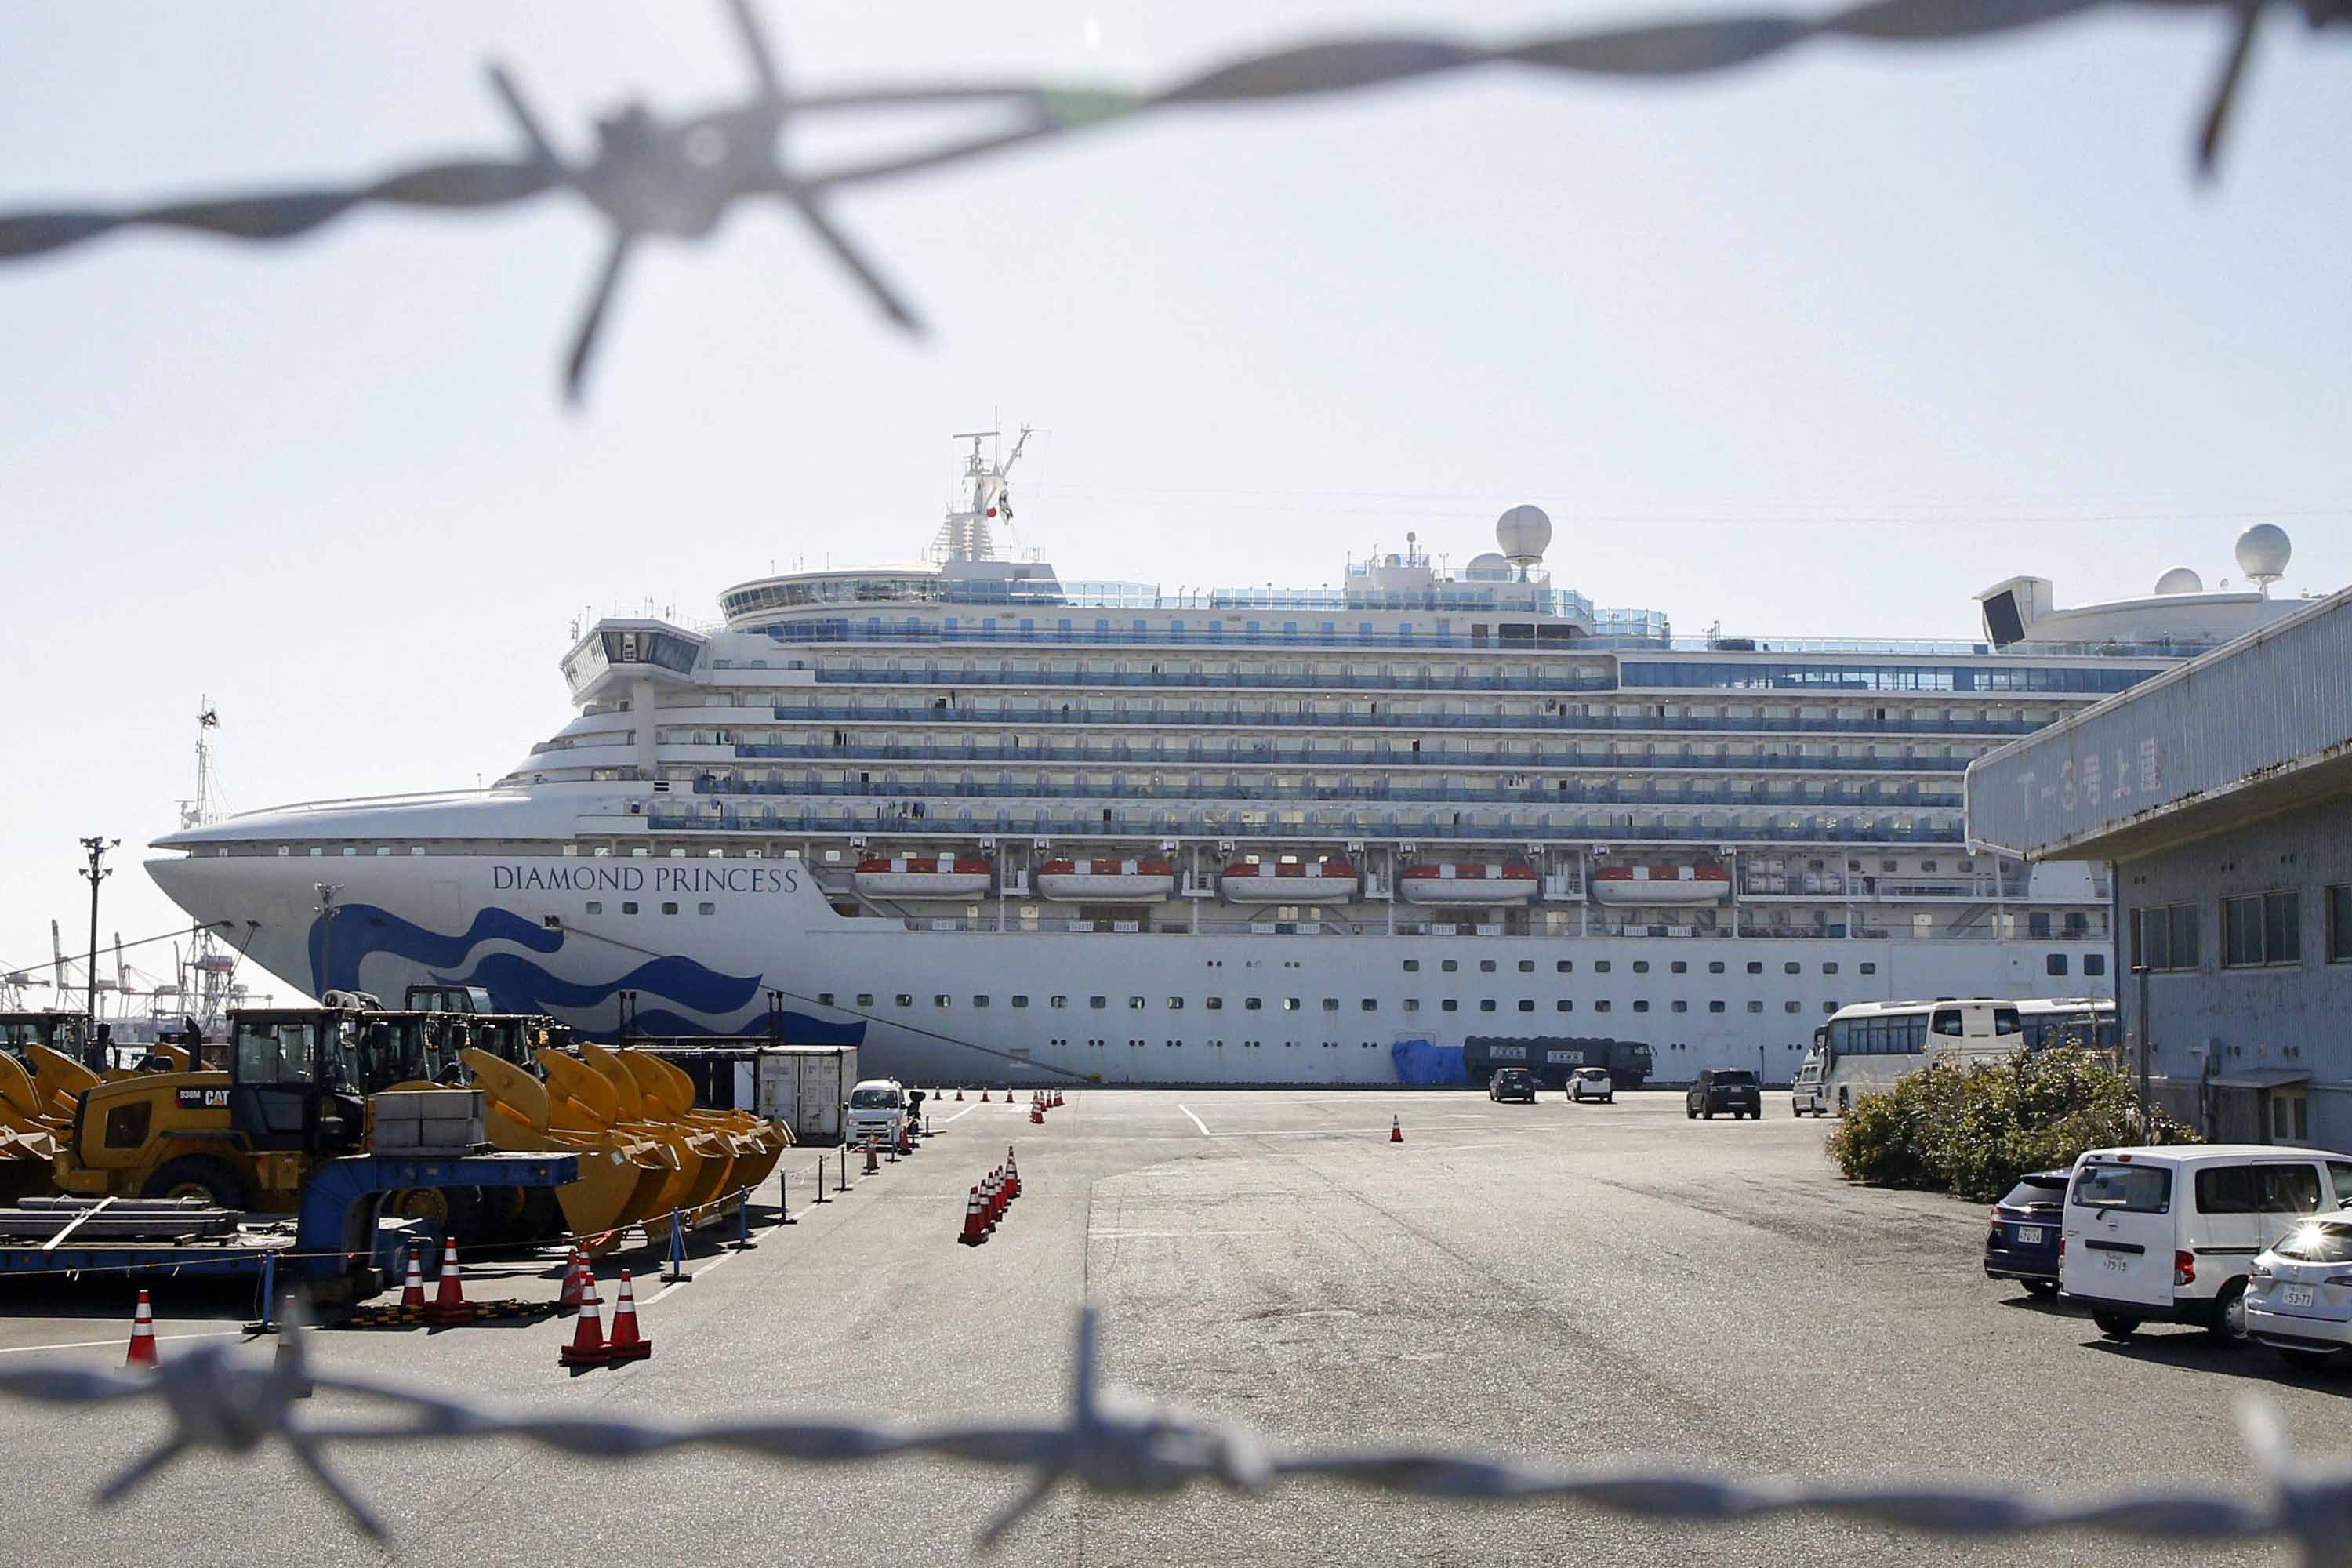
x=1289, y=881
x=1106, y=881
x=1448, y=883
x=1661, y=885
x=923, y=877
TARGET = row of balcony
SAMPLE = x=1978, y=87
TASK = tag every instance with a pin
x=1431, y=825
x=1201, y=753
x=1878, y=795
x=943, y=713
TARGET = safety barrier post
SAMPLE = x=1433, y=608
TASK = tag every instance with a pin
x=820, y=1181
x=743, y=1242
x=268, y=1293
x=844, y=1164
x=677, y=1273
x=784, y=1198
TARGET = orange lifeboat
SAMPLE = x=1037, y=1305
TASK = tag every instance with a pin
x=923, y=877
x=1105, y=881
x=1289, y=881
x=1449, y=883
x=1703, y=884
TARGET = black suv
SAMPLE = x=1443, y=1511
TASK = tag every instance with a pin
x=1725, y=1089
x=1512, y=1083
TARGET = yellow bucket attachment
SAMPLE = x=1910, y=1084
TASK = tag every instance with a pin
x=621, y=1178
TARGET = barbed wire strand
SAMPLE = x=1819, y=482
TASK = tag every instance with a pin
x=1108, y=1444
x=678, y=178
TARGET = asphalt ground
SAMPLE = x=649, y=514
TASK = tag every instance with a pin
x=1571, y=1285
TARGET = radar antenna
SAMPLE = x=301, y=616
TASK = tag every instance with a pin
x=968, y=534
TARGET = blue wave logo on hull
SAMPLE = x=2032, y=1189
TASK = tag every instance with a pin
x=364, y=929
x=517, y=985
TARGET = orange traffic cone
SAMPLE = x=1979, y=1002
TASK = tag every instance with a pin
x=412, y=1289
x=959, y=1096
x=142, y=1335
x=975, y=1226
x=1037, y=1115
x=574, y=1267
x=906, y=1140
x=992, y=1199
x=1396, y=1129
x=1012, y=1176
x=627, y=1345
x=450, y=1304
x=983, y=1097
x=871, y=1165
x=587, y=1347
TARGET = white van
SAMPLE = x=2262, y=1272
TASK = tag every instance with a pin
x=877, y=1107
x=1809, y=1091
x=2166, y=1234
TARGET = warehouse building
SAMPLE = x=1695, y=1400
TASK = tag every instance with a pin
x=2221, y=794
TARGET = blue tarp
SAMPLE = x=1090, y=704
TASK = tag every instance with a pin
x=1423, y=1062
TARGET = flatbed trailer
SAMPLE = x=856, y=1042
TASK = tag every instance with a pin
x=336, y=1242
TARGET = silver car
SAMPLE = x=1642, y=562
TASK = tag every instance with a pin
x=2299, y=1293
x=1593, y=1083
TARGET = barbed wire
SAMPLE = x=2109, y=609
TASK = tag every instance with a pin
x=679, y=178
x=1110, y=1444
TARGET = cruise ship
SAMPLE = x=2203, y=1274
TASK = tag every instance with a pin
x=996, y=823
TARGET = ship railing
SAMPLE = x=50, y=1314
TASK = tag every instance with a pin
x=1554, y=833
x=1891, y=729
x=1050, y=920
x=343, y=803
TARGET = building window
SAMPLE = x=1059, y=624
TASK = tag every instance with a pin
x=2094, y=963
x=2339, y=923
x=2054, y=964
x=2263, y=928
x=2165, y=936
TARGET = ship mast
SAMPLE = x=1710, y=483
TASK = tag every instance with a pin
x=968, y=534
x=212, y=965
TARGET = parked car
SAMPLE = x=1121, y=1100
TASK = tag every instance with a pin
x=1809, y=1091
x=2023, y=1244
x=1593, y=1083
x=2169, y=1234
x=877, y=1107
x=1734, y=1090
x=1512, y=1083
x=2299, y=1293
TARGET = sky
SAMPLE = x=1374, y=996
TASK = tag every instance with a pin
x=1817, y=349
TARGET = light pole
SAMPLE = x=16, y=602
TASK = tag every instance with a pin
x=326, y=908
x=96, y=849
x=2141, y=970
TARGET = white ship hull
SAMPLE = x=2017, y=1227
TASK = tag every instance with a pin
x=481, y=920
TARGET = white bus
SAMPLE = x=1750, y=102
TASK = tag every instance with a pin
x=1871, y=1046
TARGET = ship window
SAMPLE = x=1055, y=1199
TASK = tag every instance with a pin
x=1756, y=1006
x=1057, y=1001
x=629, y=908
x=1563, y=1006
x=1869, y=968
x=1525, y=1007
x=1135, y=1004
x=1485, y=966
x=1449, y=1006
x=1715, y=1006
x=1213, y=1004
x=824, y=998
x=1789, y=1007
x=1413, y=1004
x=1829, y=1006
x=2094, y=963
x=1369, y=1005
x=1413, y=967
x=1020, y=1000
x=1754, y=967
x=668, y=907
x=1600, y=1007
x=1486, y=1004
x=941, y=999
x=1290, y=1003
x=2054, y=964
x=1715, y=966
x=1448, y=966
x=1682, y=1007
x=1828, y=969
x=1253, y=1004
x=1641, y=1005
x=1565, y=966
x=1526, y=966
x=906, y=999
x=866, y=998
x=595, y=906
x=1640, y=966
x=1792, y=967
x=1097, y=1002
x=1600, y=966
x=980, y=1001
x=707, y=908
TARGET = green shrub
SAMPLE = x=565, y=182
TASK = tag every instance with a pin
x=1973, y=1130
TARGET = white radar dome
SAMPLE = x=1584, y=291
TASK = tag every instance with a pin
x=2262, y=552
x=1487, y=568
x=2180, y=580
x=1524, y=533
